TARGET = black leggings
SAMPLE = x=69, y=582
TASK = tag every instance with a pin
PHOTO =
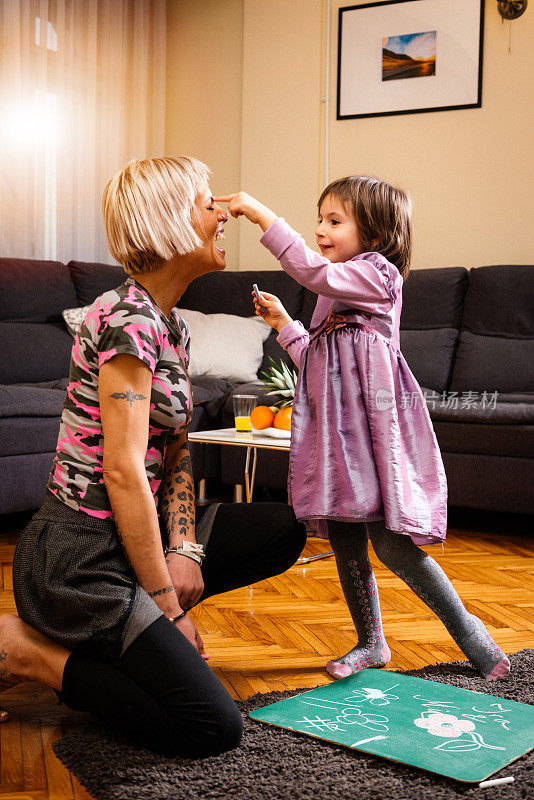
x=162, y=694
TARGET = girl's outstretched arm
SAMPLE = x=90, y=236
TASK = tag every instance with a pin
x=371, y=285
x=361, y=283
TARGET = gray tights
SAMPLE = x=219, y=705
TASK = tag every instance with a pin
x=349, y=541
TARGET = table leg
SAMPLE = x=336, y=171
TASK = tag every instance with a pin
x=249, y=482
x=202, y=496
x=238, y=493
x=307, y=559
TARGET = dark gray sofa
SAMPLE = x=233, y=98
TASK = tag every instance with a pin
x=461, y=332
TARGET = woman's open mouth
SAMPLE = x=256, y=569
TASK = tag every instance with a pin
x=219, y=234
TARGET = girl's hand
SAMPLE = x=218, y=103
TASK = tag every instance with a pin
x=242, y=204
x=186, y=577
x=189, y=630
x=272, y=311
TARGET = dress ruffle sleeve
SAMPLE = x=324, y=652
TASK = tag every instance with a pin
x=368, y=282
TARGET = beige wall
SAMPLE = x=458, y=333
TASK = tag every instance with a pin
x=250, y=74
x=204, y=91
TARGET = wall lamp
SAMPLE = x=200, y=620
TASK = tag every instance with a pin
x=511, y=9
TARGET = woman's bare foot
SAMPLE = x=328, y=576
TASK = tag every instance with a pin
x=10, y=630
x=11, y=647
x=27, y=655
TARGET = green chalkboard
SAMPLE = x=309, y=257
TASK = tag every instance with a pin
x=454, y=732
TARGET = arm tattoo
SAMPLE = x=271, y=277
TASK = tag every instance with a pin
x=185, y=465
x=177, y=505
x=129, y=396
x=157, y=592
x=121, y=540
x=3, y=655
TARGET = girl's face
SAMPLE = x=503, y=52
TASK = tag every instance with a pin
x=210, y=228
x=337, y=233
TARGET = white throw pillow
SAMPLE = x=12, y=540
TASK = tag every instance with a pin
x=74, y=317
x=225, y=345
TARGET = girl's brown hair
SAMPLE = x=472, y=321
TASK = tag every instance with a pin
x=383, y=215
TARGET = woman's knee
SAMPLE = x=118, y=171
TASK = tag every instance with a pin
x=290, y=534
x=211, y=729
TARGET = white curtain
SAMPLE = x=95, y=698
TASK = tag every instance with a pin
x=82, y=91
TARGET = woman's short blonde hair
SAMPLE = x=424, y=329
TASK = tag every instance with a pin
x=148, y=209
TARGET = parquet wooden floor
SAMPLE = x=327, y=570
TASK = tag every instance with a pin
x=279, y=634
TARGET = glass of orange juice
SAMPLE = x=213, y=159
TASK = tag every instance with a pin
x=243, y=405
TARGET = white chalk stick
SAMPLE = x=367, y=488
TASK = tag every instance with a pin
x=496, y=782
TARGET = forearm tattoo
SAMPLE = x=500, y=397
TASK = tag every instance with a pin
x=177, y=503
x=128, y=395
x=121, y=540
x=165, y=590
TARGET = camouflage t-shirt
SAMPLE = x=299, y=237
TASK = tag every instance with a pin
x=124, y=320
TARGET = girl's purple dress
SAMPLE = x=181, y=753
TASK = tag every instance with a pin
x=362, y=443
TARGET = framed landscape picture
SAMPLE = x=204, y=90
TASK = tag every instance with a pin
x=409, y=56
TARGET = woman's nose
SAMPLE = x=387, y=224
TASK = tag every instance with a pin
x=221, y=213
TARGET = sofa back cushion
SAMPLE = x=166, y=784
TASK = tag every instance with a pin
x=93, y=279
x=34, y=345
x=231, y=292
x=431, y=317
x=34, y=291
x=496, y=345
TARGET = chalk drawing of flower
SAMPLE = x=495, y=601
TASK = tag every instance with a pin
x=377, y=697
x=446, y=725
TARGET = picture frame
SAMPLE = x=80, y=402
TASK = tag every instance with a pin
x=409, y=57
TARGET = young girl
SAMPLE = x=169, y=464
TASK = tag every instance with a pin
x=360, y=461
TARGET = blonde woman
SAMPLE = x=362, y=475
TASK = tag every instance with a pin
x=106, y=571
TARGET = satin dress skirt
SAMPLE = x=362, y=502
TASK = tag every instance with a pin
x=359, y=451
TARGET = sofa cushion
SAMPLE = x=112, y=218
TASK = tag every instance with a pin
x=309, y=301
x=92, y=279
x=429, y=354
x=485, y=439
x=33, y=352
x=26, y=435
x=431, y=317
x=34, y=291
x=500, y=302
x=433, y=298
x=493, y=364
x=210, y=393
x=22, y=400
x=494, y=409
x=24, y=479
x=231, y=292
x=496, y=345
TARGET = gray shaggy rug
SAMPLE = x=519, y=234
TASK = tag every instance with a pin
x=274, y=764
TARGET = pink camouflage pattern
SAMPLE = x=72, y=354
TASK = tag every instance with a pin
x=123, y=320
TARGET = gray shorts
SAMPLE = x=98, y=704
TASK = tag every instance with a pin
x=73, y=583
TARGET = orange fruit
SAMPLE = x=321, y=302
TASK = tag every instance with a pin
x=261, y=417
x=283, y=419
